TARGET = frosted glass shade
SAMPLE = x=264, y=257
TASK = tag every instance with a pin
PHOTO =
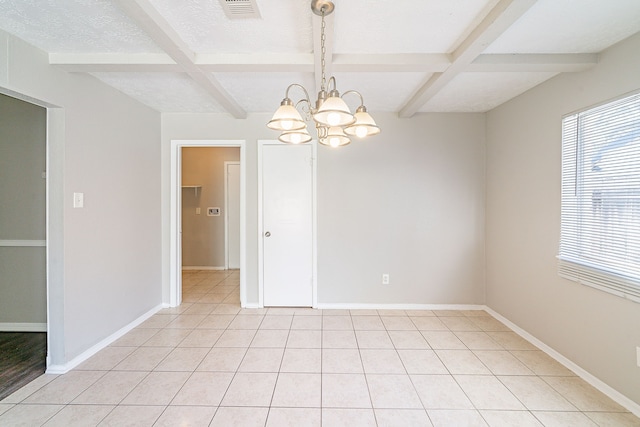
x=363, y=126
x=334, y=112
x=300, y=136
x=286, y=118
x=335, y=137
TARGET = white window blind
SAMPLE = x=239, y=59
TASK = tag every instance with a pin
x=600, y=217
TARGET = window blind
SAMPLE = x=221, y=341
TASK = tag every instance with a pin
x=600, y=209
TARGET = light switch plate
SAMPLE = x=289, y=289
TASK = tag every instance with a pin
x=78, y=200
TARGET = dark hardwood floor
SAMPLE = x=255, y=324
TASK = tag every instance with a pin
x=22, y=359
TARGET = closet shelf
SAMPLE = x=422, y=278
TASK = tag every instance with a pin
x=195, y=187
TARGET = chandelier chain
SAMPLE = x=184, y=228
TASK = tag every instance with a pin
x=322, y=52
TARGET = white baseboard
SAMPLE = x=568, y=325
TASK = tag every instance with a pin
x=612, y=393
x=63, y=369
x=357, y=306
x=252, y=306
x=23, y=327
x=201, y=267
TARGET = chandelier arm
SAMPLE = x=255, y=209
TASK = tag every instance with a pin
x=332, y=79
x=357, y=93
x=307, y=98
x=306, y=108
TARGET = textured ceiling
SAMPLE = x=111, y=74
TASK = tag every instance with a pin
x=404, y=56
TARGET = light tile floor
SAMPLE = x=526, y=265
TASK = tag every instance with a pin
x=211, y=363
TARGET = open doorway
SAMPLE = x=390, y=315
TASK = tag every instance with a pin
x=201, y=265
x=210, y=212
x=23, y=244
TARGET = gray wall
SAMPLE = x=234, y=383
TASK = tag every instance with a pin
x=408, y=202
x=23, y=293
x=203, y=236
x=104, y=259
x=596, y=330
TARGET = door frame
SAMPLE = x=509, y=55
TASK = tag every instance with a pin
x=175, y=244
x=226, y=210
x=314, y=222
x=54, y=229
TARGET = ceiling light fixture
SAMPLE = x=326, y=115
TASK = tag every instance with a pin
x=333, y=119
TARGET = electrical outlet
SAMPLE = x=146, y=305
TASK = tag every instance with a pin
x=197, y=211
x=213, y=211
x=385, y=279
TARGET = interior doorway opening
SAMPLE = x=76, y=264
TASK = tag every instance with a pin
x=210, y=208
x=210, y=225
x=203, y=204
x=23, y=242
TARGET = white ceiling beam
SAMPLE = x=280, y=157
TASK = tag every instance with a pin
x=404, y=62
x=252, y=62
x=86, y=67
x=564, y=63
x=282, y=63
x=304, y=63
x=154, y=24
x=497, y=21
x=162, y=62
x=111, y=58
x=118, y=62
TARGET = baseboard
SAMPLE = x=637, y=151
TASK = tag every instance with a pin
x=64, y=368
x=252, y=306
x=357, y=306
x=202, y=267
x=23, y=327
x=612, y=393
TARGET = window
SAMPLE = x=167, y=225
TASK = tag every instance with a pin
x=600, y=217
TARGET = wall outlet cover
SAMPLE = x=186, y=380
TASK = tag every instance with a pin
x=213, y=211
x=78, y=200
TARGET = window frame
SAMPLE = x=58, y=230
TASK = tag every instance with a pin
x=577, y=231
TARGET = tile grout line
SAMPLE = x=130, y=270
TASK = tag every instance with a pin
x=364, y=372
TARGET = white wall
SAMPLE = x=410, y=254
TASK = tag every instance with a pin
x=597, y=331
x=408, y=202
x=104, y=259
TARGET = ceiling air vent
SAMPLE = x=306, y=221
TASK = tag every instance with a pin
x=240, y=9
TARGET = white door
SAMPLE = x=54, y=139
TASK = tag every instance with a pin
x=287, y=225
x=232, y=189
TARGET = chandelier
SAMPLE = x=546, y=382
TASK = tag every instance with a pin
x=333, y=120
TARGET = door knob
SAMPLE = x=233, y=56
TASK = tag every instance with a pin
x=267, y=234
